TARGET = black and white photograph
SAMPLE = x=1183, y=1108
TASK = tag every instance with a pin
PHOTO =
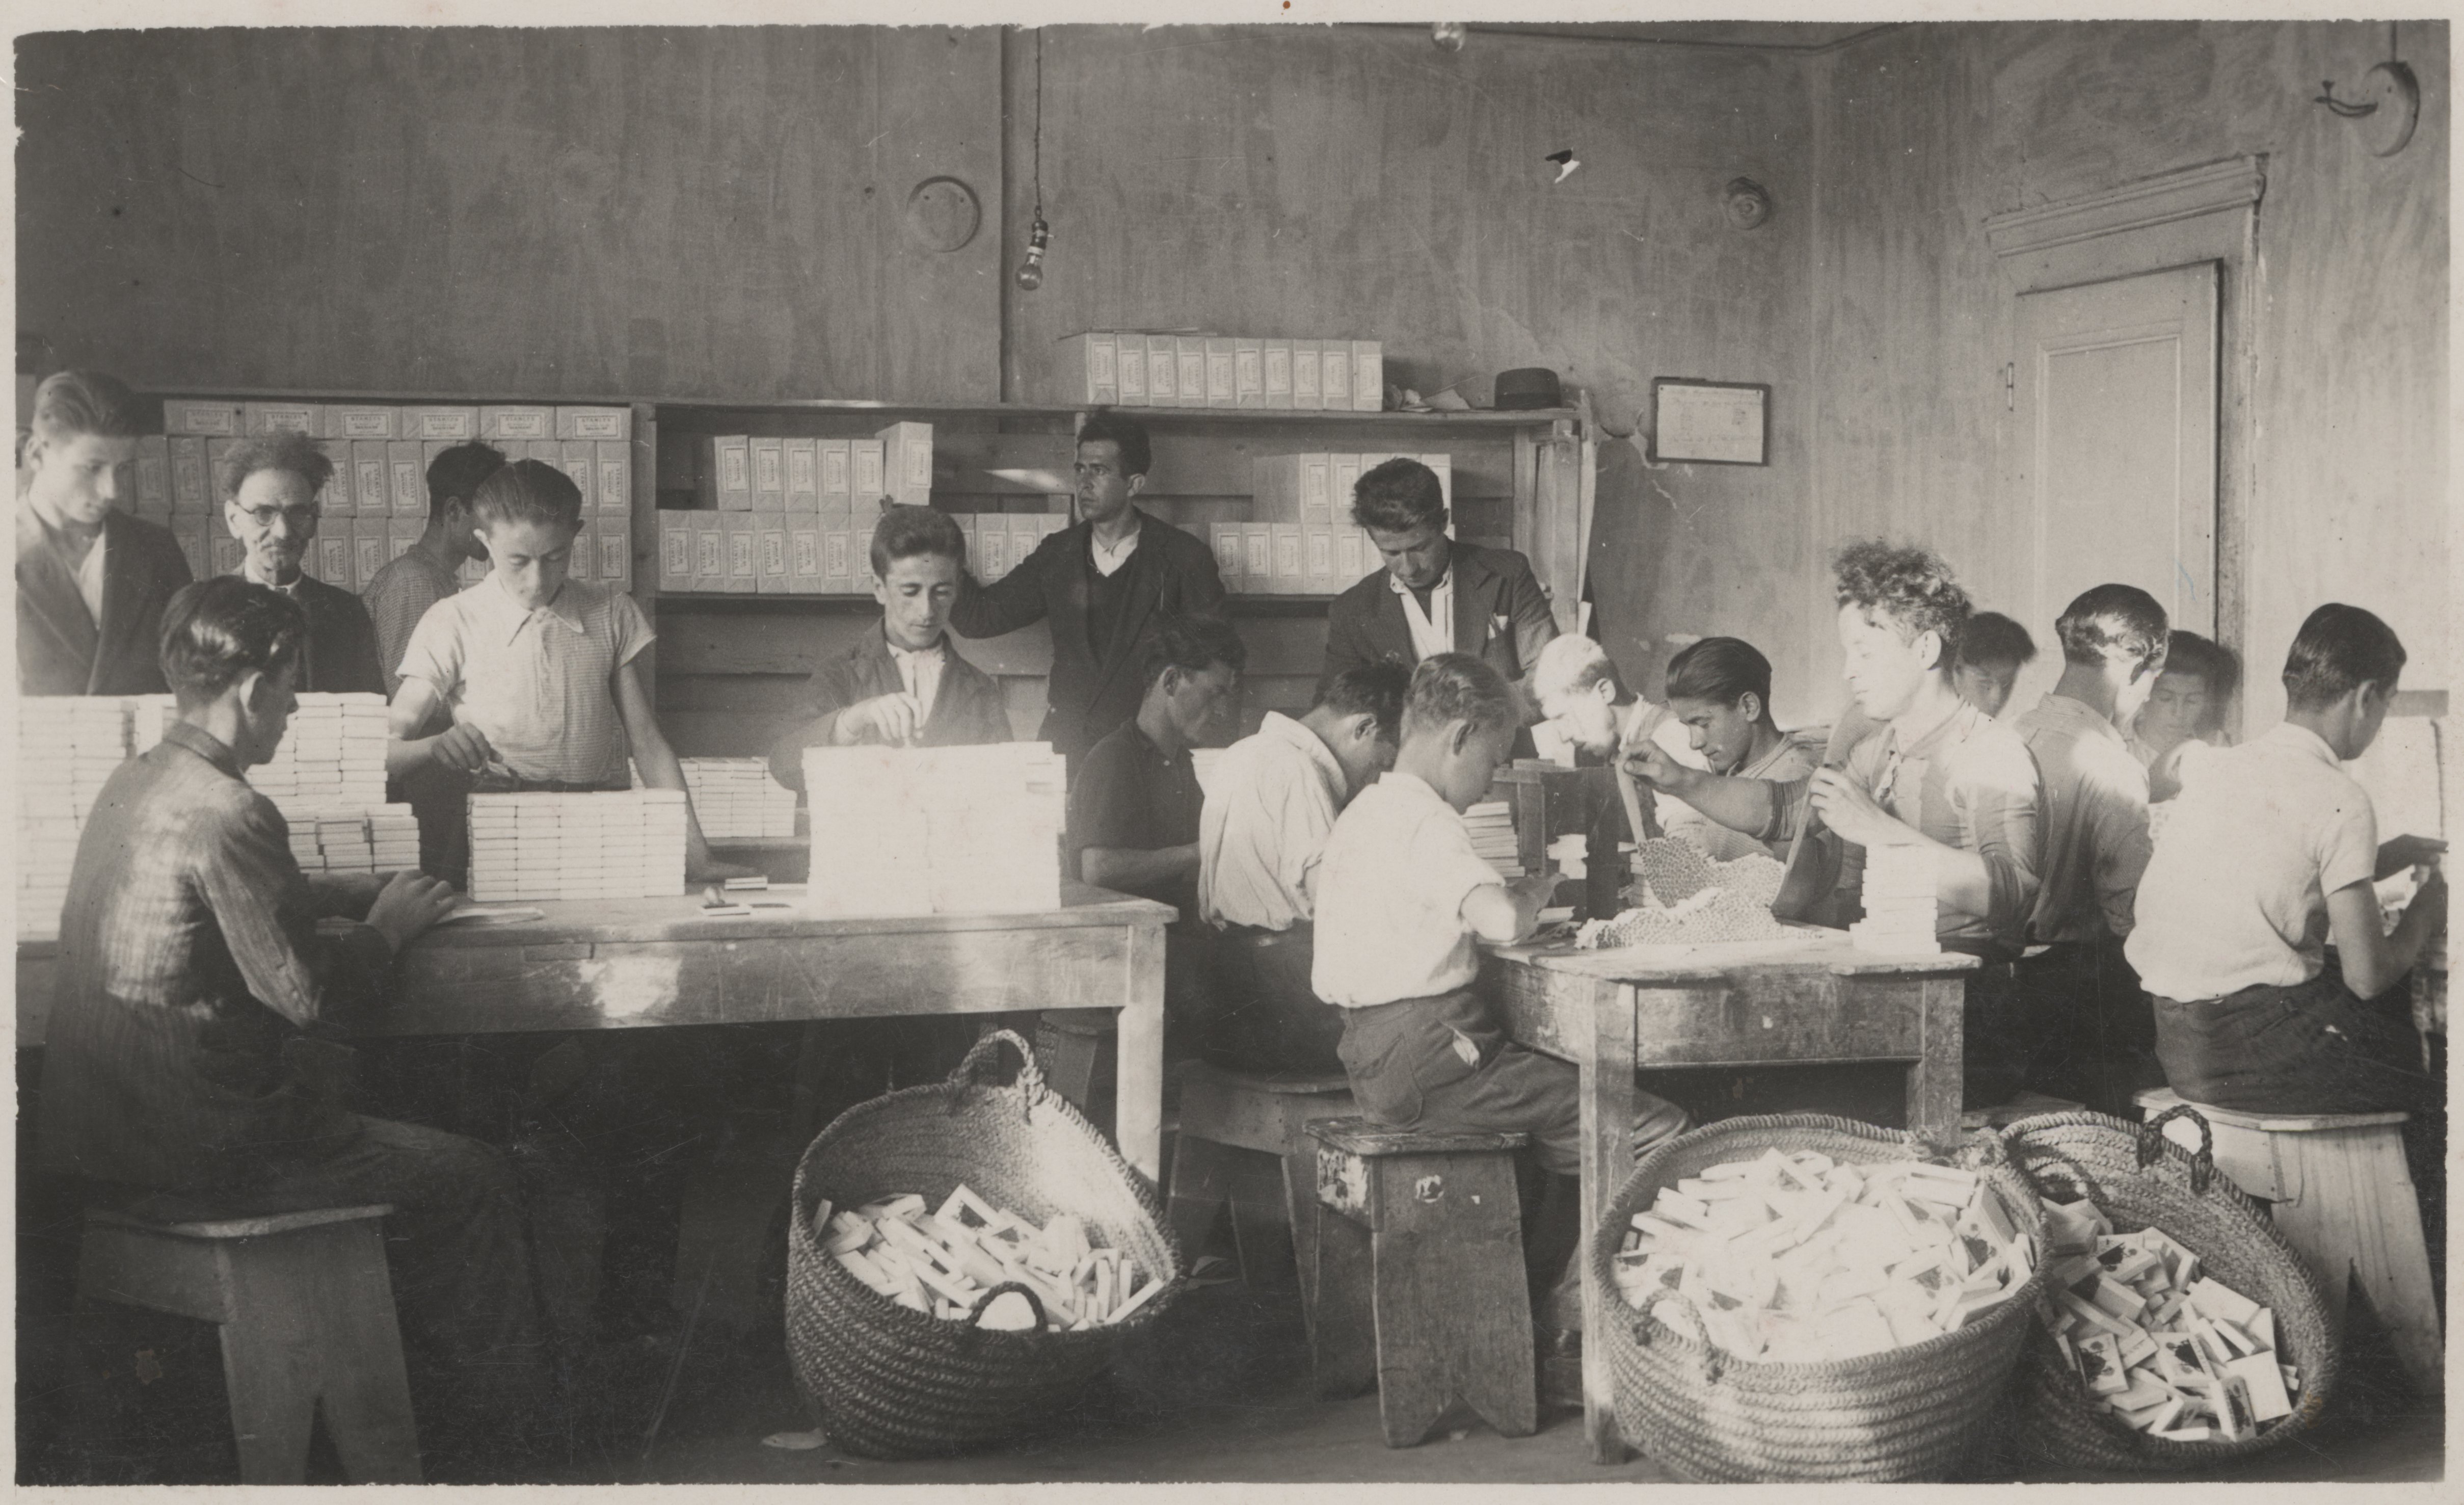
x=728, y=771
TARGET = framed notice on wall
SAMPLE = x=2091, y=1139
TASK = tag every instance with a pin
x=1713, y=423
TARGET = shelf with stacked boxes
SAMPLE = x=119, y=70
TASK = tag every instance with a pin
x=376, y=506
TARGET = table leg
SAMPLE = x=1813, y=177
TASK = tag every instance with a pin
x=1933, y=1077
x=1607, y=1067
x=1138, y=1108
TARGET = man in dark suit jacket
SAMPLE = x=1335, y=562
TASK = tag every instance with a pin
x=91, y=582
x=901, y=683
x=1435, y=595
x=270, y=484
x=1101, y=584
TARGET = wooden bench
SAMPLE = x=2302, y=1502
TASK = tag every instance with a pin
x=2339, y=1190
x=1420, y=1278
x=307, y=1319
x=1244, y=1140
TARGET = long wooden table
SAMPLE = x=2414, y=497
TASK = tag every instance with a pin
x=647, y=963
x=1795, y=1003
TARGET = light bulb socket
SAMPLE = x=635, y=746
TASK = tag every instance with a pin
x=1030, y=272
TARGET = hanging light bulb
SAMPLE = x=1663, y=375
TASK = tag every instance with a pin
x=1030, y=272
x=1450, y=35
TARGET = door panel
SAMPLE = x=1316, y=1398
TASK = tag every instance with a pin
x=2114, y=389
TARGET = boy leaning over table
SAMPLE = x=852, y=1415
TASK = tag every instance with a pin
x=1402, y=896
x=533, y=677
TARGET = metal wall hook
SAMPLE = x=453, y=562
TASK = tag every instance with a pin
x=2349, y=109
x=2390, y=84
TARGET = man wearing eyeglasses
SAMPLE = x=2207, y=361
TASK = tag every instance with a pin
x=270, y=484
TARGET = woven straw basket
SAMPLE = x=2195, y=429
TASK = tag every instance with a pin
x=1916, y=1414
x=893, y=1383
x=2139, y=1178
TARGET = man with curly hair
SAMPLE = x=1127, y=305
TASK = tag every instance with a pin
x=1933, y=771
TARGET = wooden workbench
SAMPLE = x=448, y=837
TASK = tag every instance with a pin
x=1792, y=1003
x=645, y=963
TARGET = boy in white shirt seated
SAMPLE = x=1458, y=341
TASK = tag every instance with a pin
x=2270, y=853
x=1272, y=803
x=1400, y=897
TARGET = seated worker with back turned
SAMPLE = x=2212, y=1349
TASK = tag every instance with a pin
x=1274, y=800
x=1400, y=897
x=1933, y=771
x=533, y=676
x=1133, y=809
x=423, y=574
x=91, y=580
x=270, y=484
x=190, y=963
x=1104, y=583
x=2086, y=1024
x=1718, y=692
x=903, y=686
x=2270, y=855
x=1436, y=595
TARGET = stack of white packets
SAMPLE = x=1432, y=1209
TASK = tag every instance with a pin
x=1899, y=898
x=918, y=831
x=613, y=843
x=1491, y=823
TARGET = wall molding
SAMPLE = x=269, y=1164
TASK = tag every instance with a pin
x=2235, y=184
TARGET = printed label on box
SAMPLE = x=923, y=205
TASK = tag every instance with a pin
x=439, y=423
x=189, y=487
x=836, y=479
x=1349, y=563
x=1190, y=361
x=154, y=474
x=407, y=464
x=283, y=417
x=1258, y=563
x=341, y=498
x=1321, y=556
x=1227, y=551
x=369, y=546
x=334, y=555
x=616, y=557
x=594, y=423
x=676, y=553
x=805, y=558
x=202, y=418
x=615, y=476
x=834, y=560
x=347, y=422
x=1306, y=365
x=992, y=541
x=769, y=472
x=1335, y=374
x=865, y=472
x=804, y=475
x=1162, y=370
x=710, y=554
x=1133, y=369
x=1276, y=362
x=374, y=486
x=517, y=423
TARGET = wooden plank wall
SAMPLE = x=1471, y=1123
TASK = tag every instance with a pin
x=1923, y=132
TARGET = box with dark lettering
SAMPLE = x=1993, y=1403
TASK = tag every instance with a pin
x=1131, y=368
x=867, y=482
x=803, y=477
x=770, y=538
x=616, y=553
x=579, y=459
x=1291, y=577
x=452, y=424
x=358, y=421
x=497, y=424
x=308, y=418
x=769, y=455
x=154, y=475
x=743, y=554
x=406, y=477
x=837, y=576
x=370, y=484
x=725, y=473
x=1258, y=557
x=1220, y=360
x=1226, y=538
x=581, y=560
x=1306, y=368
x=615, y=475
x=1189, y=362
x=1335, y=374
x=804, y=554
x=204, y=417
x=675, y=551
x=1163, y=371
x=367, y=549
x=190, y=487
x=340, y=498
x=594, y=423
x=907, y=463
x=710, y=551
x=1248, y=372
x=1275, y=372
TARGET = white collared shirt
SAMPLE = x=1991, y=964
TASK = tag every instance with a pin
x=1110, y=557
x=1391, y=885
x=89, y=575
x=1273, y=801
x=536, y=680
x=1433, y=631
x=2235, y=895
x=919, y=670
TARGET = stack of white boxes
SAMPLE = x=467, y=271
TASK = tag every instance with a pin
x=1141, y=369
x=1299, y=538
x=1491, y=823
x=735, y=798
x=67, y=746
x=393, y=837
x=613, y=843
x=1898, y=900
x=331, y=760
x=343, y=842
x=936, y=830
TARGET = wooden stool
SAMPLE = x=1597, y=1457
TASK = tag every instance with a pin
x=1244, y=1139
x=2338, y=1191
x=306, y=1312
x=1431, y=1236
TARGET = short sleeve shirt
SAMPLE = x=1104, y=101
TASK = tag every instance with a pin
x=1390, y=892
x=536, y=681
x=1129, y=794
x=2235, y=895
x=1275, y=798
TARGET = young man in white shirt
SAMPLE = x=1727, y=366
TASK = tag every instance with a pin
x=1402, y=896
x=1271, y=806
x=2270, y=854
x=2085, y=1022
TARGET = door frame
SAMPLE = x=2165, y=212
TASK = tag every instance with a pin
x=2204, y=213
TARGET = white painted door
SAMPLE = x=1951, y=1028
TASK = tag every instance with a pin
x=2114, y=387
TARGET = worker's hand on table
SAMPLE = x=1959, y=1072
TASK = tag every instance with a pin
x=2408, y=851
x=409, y=905
x=1855, y=814
x=462, y=748
x=710, y=870
x=894, y=718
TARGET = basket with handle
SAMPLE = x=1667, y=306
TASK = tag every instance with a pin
x=2140, y=1179
x=891, y=1381
x=1914, y=1413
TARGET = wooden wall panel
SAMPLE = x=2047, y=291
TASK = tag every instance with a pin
x=655, y=211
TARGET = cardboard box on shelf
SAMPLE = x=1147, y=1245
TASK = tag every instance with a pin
x=616, y=553
x=1317, y=552
x=579, y=459
x=710, y=551
x=771, y=534
x=769, y=472
x=203, y=417
x=594, y=423
x=1248, y=372
x=358, y=421
x=154, y=475
x=1292, y=577
x=1317, y=499
x=1025, y=534
x=1342, y=482
x=675, y=551
x=868, y=482
x=1258, y=557
x=1226, y=538
x=743, y=554
x=371, y=487
x=406, y=477
x=837, y=476
x=803, y=555
x=1368, y=376
x=803, y=475
x=450, y=423
x=1189, y=362
x=190, y=533
x=1163, y=371
x=367, y=549
x=725, y=473
x=1335, y=374
x=615, y=488
x=992, y=546
x=308, y=418
x=1275, y=373
x=907, y=463
x=1349, y=559
x=500, y=423
x=191, y=488
x=838, y=575
x=333, y=560
x=1131, y=368
x=1308, y=365
x=1223, y=359
x=1091, y=369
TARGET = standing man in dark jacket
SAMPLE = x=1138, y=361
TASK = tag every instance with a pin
x=1436, y=595
x=91, y=581
x=1102, y=584
x=270, y=484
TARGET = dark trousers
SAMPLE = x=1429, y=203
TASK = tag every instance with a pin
x=1267, y=1018
x=458, y=1256
x=2085, y=1030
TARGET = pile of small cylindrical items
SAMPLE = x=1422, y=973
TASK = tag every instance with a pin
x=1681, y=897
x=1799, y=1259
x=943, y=1262
x=2171, y=1353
